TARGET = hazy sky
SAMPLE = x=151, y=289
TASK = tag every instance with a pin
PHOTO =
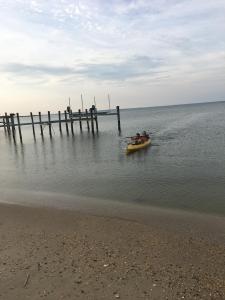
x=143, y=53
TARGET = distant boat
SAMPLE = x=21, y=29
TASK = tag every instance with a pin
x=99, y=113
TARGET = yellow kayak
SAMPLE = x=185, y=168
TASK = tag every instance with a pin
x=135, y=147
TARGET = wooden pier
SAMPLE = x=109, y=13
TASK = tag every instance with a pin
x=89, y=116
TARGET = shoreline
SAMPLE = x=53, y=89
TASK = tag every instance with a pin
x=201, y=224
x=63, y=254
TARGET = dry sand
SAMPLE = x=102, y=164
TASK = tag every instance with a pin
x=57, y=254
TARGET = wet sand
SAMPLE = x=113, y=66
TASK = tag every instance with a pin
x=63, y=254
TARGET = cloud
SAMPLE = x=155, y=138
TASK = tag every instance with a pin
x=131, y=68
x=35, y=70
x=134, y=67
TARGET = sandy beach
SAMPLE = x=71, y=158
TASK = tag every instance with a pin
x=61, y=254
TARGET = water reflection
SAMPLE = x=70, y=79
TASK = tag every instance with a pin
x=17, y=150
x=43, y=152
x=52, y=151
x=71, y=144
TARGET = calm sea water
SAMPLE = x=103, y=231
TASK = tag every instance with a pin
x=183, y=169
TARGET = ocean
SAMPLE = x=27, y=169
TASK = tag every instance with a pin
x=183, y=169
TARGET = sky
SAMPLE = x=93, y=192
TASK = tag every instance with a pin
x=141, y=53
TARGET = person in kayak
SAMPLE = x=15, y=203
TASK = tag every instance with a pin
x=137, y=139
x=144, y=136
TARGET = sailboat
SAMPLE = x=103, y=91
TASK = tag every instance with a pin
x=106, y=112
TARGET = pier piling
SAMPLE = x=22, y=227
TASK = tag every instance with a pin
x=92, y=121
x=49, y=124
x=96, y=117
x=40, y=121
x=4, y=124
x=118, y=117
x=32, y=122
x=7, y=123
x=71, y=121
x=87, y=120
x=80, y=121
x=12, y=125
x=19, y=127
x=67, y=129
x=60, y=122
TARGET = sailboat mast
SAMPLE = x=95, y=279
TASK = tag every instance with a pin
x=68, y=107
x=109, y=102
x=82, y=103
